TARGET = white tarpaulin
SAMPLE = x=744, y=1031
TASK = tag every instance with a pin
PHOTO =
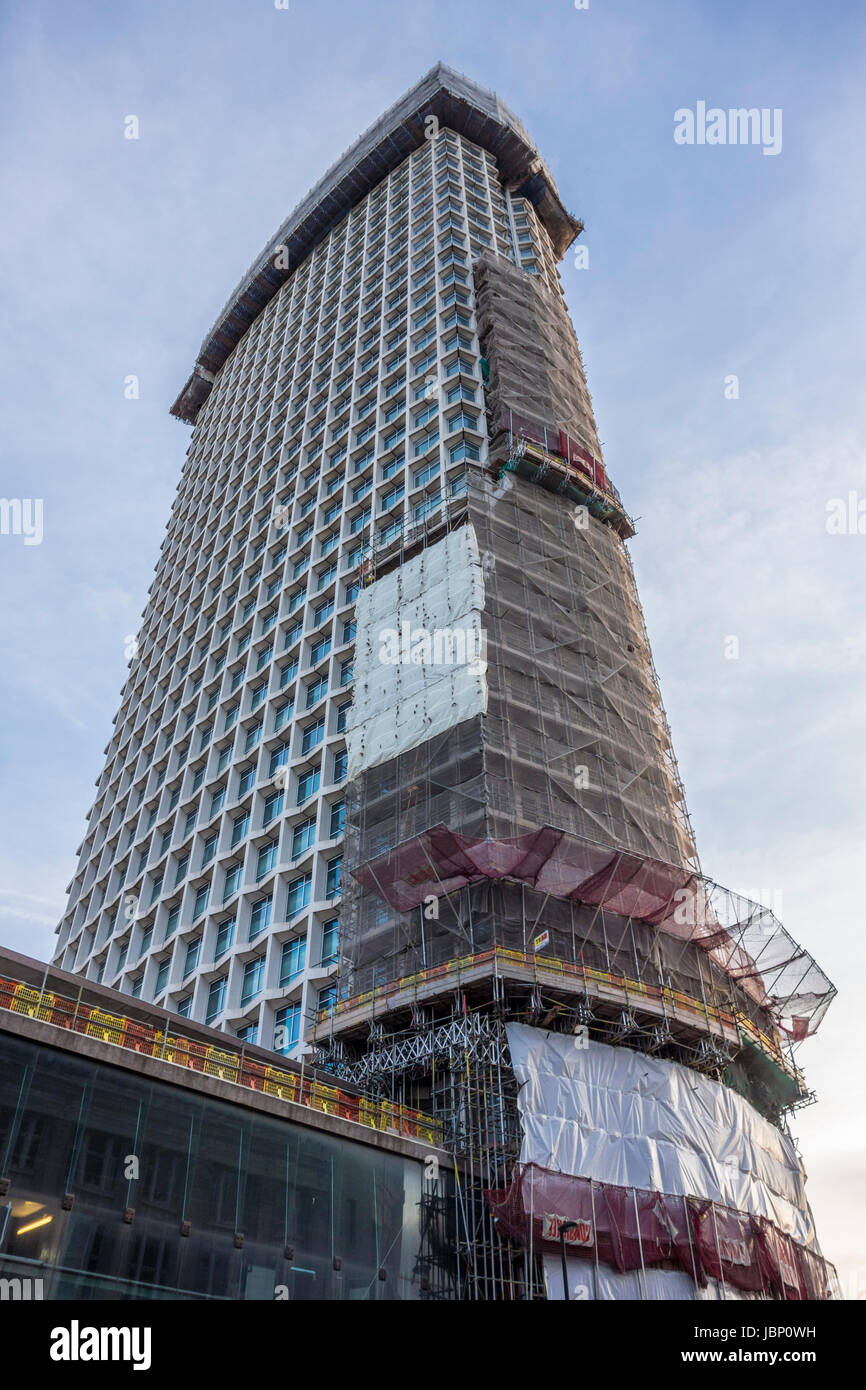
x=419, y=656
x=587, y=1282
x=618, y=1116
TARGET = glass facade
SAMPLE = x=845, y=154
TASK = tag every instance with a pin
x=275, y=1210
x=346, y=411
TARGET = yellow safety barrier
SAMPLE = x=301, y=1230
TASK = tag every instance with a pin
x=32, y=1002
x=108, y=1027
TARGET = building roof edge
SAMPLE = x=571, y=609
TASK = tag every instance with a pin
x=458, y=103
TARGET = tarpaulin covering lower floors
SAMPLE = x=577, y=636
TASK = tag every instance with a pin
x=635, y=1163
x=616, y=1230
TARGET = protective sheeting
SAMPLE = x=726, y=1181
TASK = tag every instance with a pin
x=586, y=1284
x=419, y=652
x=743, y=939
x=618, y=1230
x=622, y=1117
x=535, y=364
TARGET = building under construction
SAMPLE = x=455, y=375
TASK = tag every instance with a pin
x=525, y=893
x=418, y=808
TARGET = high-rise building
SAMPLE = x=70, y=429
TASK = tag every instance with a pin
x=392, y=774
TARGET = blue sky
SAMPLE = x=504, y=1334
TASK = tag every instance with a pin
x=703, y=262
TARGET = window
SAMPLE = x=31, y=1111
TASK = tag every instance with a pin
x=392, y=495
x=299, y=895
x=318, y=651
x=293, y=960
x=343, y=716
x=338, y=819
x=313, y=735
x=161, y=976
x=316, y=691
x=330, y=935
x=248, y=1033
x=460, y=364
x=273, y=807
x=225, y=937
x=423, y=475
x=426, y=444
x=332, y=882
x=232, y=880
x=260, y=917
x=147, y=936
x=347, y=671
x=287, y=1029
x=303, y=837
x=327, y=997
x=460, y=392
x=279, y=758
x=248, y=777
x=253, y=980
x=193, y=952
x=209, y=850
x=266, y=859
x=201, y=900
x=216, y=999
x=464, y=450
x=253, y=735
x=341, y=764
x=288, y=673
x=283, y=714
x=240, y=828
x=183, y=1006
x=322, y=611
x=217, y=800
x=426, y=507
x=171, y=924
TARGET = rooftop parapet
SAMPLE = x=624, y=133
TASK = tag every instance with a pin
x=458, y=104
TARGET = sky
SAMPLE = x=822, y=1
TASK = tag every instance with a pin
x=706, y=262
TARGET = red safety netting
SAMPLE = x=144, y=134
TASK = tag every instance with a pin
x=742, y=937
x=628, y=1228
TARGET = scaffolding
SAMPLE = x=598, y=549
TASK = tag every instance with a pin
x=518, y=843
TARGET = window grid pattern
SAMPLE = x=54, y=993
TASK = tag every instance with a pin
x=351, y=405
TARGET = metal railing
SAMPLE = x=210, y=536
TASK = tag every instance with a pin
x=226, y=1064
x=681, y=1005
